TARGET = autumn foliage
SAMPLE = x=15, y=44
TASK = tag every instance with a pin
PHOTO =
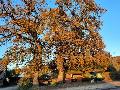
x=71, y=27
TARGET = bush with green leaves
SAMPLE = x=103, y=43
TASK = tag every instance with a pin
x=24, y=83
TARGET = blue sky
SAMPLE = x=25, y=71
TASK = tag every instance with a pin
x=109, y=31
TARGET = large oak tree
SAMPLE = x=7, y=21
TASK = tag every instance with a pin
x=70, y=26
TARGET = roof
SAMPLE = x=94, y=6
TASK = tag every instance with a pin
x=2, y=66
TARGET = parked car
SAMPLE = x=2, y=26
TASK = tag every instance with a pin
x=99, y=76
x=93, y=77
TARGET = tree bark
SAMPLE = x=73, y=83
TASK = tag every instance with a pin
x=60, y=68
x=35, y=82
x=38, y=58
x=35, y=79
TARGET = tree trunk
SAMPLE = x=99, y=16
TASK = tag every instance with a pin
x=38, y=58
x=35, y=82
x=60, y=69
x=35, y=79
x=60, y=75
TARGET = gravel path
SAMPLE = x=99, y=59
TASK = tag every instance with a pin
x=84, y=86
x=9, y=88
x=92, y=87
x=76, y=86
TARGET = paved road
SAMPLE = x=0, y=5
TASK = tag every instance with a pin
x=9, y=88
x=98, y=86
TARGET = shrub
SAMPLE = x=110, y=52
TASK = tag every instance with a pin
x=24, y=84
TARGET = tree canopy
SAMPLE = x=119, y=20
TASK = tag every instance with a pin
x=70, y=26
